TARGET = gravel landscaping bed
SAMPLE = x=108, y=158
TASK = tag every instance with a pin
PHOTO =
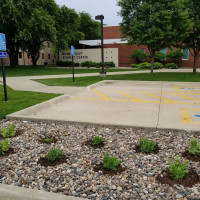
x=77, y=177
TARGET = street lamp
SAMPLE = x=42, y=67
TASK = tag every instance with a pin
x=101, y=17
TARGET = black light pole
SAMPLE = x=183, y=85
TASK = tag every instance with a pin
x=101, y=17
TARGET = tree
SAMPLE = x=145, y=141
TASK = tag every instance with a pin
x=174, y=55
x=40, y=26
x=138, y=56
x=192, y=42
x=155, y=23
x=10, y=18
x=90, y=27
x=67, y=26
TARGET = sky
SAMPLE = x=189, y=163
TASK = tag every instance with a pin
x=108, y=8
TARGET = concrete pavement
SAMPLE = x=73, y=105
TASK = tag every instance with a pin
x=127, y=103
x=8, y=192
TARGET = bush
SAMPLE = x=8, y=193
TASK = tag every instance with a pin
x=138, y=56
x=134, y=65
x=175, y=55
x=88, y=64
x=171, y=66
x=4, y=146
x=67, y=63
x=194, y=147
x=160, y=57
x=111, y=163
x=146, y=146
x=109, y=64
x=177, y=169
x=158, y=65
x=97, y=140
x=54, y=154
x=8, y=132
x=144, y=65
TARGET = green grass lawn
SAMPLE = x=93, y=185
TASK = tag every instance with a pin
x=18, y=100
x=42, y=70
x=158, y=76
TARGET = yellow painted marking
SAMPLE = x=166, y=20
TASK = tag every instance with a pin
x=158, y=97
x=174, y=93
x=186, y=97
x=129, y=96
x=104, y=97
x=185, y=116
x=176, y=88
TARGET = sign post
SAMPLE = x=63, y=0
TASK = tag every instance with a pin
x=73, y=54
x=3, y=55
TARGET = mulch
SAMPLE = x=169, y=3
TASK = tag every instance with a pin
x=155, y=151
x=44, y=162
x=7, y=153
x=191, y=157
x=105, y=171
x=190, y=179
x=89, y=143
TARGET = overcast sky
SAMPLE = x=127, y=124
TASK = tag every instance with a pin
x=95, y=7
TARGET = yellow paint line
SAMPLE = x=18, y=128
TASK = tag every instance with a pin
x=158, y=97
x=176, y=88
x=130, y=97
x=186, y=97
x=181, y=93
x=104, y=97
x=185, y=117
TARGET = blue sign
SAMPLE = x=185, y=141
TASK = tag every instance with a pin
x=2, y=42
x=197, y=115
x=72, y=51
x=3, y=55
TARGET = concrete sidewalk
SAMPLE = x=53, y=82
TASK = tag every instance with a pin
x=27, y=83
x=8, y=192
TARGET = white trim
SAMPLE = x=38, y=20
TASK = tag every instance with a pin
x=105, y=41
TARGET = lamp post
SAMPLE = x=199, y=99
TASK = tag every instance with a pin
x=101, y=17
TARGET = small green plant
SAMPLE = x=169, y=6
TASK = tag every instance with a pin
x=171, y=66
x=4, y=146
x=110, y=163
x=54, y=154
x=177, y=168
x=158, y=65
x=97, y=140
x=160, y=57
x=8, y=132
x=194, y=147
x=146, y=146
x=138, y=56
x=48, y=140
x=174, y=55
x=134, y=65
x=144, y=65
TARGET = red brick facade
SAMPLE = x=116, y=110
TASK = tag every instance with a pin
x=113, y=32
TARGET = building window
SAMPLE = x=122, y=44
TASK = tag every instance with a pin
x=42, y=55
x=48, y=44
x=163, y=50
x=49, y=56
x=185, y=54
x=20, y=54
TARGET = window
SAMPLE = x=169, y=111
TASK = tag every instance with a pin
x=163, y=50
x=48, y=44
x=42, y=55
x=49, y=56
x=185, y=54
x=20, y=54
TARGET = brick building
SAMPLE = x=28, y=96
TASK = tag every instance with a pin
x=46, y=55
x=111, y=40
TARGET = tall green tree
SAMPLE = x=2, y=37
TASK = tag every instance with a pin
x=155, y=23
x=39, y=26
x=90, y=27
x=10, y=24
x=67, y=26
x=192, y=42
